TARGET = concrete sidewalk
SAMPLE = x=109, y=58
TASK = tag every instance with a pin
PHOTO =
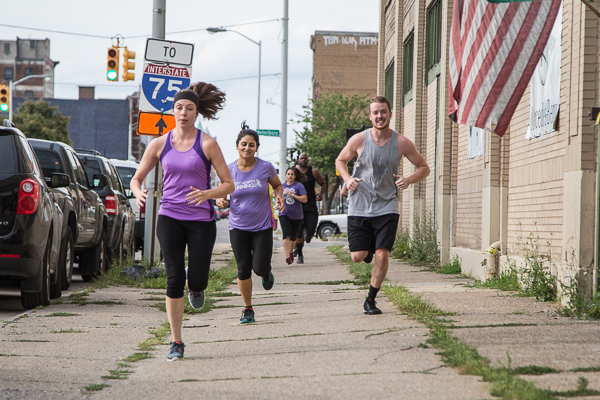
x=310, y=341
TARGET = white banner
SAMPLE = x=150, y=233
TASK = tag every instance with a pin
x=544, y=99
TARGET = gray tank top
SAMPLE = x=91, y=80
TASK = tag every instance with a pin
x=377, y=193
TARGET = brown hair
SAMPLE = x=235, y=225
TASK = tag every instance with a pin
x=300, y=177
x=380, y=99
x=210, y=99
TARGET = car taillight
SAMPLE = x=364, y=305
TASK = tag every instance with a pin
x=143, y=211
x=29, y=194
x=110, y=202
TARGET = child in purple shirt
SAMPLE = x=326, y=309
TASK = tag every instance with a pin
x=250, y=217
x=291, y=217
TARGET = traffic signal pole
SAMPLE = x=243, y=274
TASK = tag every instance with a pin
x=284, y=86
x=154, y=178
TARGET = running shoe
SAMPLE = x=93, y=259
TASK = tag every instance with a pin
x=196, y=299
x=176, y=351
x=295, y=251
x=370, y=307
x=247, y=316
x=368, y=258
x=267, y=283
x=300, y=260
x=289, y=259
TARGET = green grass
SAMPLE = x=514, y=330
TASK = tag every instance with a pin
x=95, y=388
x=586, y=369
x=158, y=336
x=31, y=341
x=61, y=314
x=361, y=271
x=451, y=268
x=137, y=357
x=70, y=330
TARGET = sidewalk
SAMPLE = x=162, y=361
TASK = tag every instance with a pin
x=311, y=341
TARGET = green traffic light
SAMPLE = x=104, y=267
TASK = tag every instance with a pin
x=111, y=75
x=4, y=107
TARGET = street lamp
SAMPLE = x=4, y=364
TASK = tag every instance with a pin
x=216, y=30
x=13, y=84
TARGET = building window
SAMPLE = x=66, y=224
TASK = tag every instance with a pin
x=32, y=45
x=29, y=94
x=8, y=73
x=389, y=83
x=433, y=40
x=476, y=142
x=28, y=71
x=407, y=69
x=6, y=48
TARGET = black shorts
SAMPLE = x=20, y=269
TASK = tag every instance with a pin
x=371, y=233
x=289, y=227
x=309, y=222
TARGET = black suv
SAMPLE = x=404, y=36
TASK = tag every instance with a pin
x=121, y=218
x=85, y=240
x=31, y=222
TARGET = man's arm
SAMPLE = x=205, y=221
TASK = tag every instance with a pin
x=321, y=182
x=410, y=151
x=348, y=153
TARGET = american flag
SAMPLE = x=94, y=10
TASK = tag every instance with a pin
x=494, y=49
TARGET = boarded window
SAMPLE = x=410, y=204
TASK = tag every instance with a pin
x=433, y=40
x=407, y=70
x=389, y=83
x=475, y=144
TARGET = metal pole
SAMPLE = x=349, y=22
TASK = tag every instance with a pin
x=151, y=248
x=258, y=106
x=284, y=84
x=10, y=97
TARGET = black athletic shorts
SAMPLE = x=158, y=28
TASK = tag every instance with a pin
x=289, y=227
x=371, y=233
x=309, y=222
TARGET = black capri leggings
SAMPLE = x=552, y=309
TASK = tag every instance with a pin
x=289, y=227
x=174, y=235
x=252, y=252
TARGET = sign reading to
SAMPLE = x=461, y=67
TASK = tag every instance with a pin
x=268, y=132
x=160, y=83
x=166, y=51
x=154, y=124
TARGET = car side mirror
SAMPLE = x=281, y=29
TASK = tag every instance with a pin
x=59, y=180
x=99, y=181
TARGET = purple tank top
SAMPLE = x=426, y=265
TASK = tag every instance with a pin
x=182, y=169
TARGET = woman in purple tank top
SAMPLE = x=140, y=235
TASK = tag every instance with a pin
x=250, y=217
x=186, y=217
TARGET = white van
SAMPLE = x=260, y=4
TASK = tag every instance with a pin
x=127, y=170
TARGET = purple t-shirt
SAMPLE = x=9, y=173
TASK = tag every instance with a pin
x=293, y=207
x=250, y=205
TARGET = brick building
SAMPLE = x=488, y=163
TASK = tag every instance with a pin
x=344, y=62
x=23, y=57
x=516, y=186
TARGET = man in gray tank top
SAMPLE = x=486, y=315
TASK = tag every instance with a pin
x=373, y=208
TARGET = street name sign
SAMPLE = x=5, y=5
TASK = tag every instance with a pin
x=154, y=124
x=268, y=132
x=160, y=83
x=166, y=51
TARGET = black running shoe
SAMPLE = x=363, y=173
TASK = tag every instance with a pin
x=176, y=351
x=370, y=307
x=300, y=260
x=295, y=252
x=368, y=258
x=247, y=316
x=267, y=283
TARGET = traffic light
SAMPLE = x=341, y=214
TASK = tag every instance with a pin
x=112, y=64
x=128, y=65
x=4, y=97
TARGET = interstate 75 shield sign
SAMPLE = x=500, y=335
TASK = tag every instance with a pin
x=160, y=83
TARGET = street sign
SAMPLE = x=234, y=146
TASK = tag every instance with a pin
x=268, y=132
x=160, y=83
x=154, y=124
x=166, y=51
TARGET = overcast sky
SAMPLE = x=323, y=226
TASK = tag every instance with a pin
x=218, y=58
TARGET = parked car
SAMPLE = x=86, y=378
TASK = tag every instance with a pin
x=84, y=241
x=127, y=170
x=225, y=213
x=330, y=225
x=120, y=231
x=30, y=222
x=217, y=213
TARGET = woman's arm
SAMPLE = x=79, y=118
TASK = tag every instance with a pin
x=278, y=193
x=149, y=160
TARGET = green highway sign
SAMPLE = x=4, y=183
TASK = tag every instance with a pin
x=268, y=132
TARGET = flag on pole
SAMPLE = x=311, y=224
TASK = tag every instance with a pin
x=493, y=52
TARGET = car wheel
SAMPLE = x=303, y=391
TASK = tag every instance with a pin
x=41, y=298
x=65, y=259
x=327, y=230
x=97, y=257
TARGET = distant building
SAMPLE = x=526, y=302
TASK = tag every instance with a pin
x=344, y=62
x=23, y=57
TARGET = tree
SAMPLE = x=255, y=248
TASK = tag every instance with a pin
x=41, y=121
x=324, y=135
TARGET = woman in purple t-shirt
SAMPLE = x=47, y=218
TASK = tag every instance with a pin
x=291, y=218
x=186, y=216
x=250, y=218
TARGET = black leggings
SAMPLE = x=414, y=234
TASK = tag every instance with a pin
x=252, y=252
x=174, y=235
x=289, y=227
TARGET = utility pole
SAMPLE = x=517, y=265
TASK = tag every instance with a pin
x=284, y=86
x=154, y=178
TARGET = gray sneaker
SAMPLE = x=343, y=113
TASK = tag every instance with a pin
x=176, y=351
x=267, y=283
x=300, y=260
x=196, y=299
